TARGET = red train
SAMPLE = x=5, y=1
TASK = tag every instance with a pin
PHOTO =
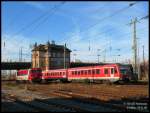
x=110, y=72
x=31, y=75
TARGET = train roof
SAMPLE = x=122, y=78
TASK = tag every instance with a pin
x=95, y=66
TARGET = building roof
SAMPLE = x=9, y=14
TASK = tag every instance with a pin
x=42, y=47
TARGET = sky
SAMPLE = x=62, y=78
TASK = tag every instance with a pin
x=88, y=28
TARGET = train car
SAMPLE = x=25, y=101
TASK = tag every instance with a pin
x=126, y=72
x=108, y=72
x=105, y=72
x=58, y=74
x=31, y=75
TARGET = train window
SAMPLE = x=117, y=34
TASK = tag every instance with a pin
x=72, y=72
x=105, y=71
x=60, y=73
x=85, y=72
x=63, y=73
x=97, y=71
x=93, y=71
x=112, y=70
x=75, y=72
x=78, y=72
x=89, y=72
x=82, y=72
x=115, y=70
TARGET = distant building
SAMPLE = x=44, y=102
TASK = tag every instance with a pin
x=50, y=56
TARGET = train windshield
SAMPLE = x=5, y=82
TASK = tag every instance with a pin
x=123, y=71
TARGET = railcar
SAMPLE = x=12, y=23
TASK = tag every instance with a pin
x=105, y=72
x=30, y=75
x=109, y=72
x=58, y=74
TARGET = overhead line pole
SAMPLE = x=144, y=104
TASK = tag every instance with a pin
x=134, y=46
x=65, y=56
x=143, y=55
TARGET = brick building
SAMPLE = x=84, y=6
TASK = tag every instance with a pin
x=50, y=56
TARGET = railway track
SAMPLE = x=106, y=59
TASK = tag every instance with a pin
x=62, y=99
x=117, y=106
x=69, y=103
x=55, y=105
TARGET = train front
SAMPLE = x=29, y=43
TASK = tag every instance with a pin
x=35, y=75
x=125, y=72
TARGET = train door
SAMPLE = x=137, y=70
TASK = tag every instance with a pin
x=112, y=72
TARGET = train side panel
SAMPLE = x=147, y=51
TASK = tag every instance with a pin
x=54, y=74
x=108, y=72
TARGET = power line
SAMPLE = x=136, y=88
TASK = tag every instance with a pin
x=145, y=17
x=34, y=21
x=13, y=20
x=37, y=19
x=45, y=19
x=108, y=17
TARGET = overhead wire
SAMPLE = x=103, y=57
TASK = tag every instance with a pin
x=108, y=17
x=45, y=19
x=34, y=21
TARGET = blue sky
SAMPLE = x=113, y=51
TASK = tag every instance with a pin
x=79, y=24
